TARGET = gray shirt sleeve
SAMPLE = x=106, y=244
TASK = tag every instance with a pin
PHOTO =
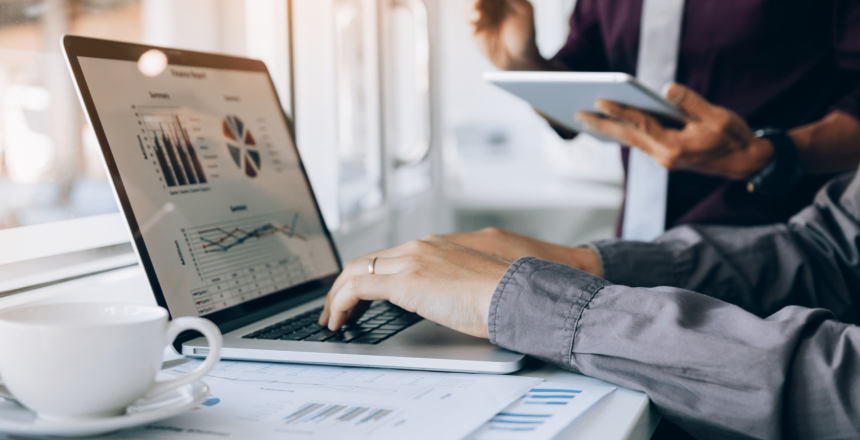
x=709, y=366
x=774, y=370
x=812, y=261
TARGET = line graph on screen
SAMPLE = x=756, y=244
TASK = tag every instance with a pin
x=218, y=239
x=246, y=258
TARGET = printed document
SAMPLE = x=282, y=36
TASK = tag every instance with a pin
x=542, y=413
x=276, y=401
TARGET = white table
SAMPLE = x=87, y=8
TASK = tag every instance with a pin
x=623, y=415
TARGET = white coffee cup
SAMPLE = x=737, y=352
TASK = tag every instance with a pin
x=92, y=360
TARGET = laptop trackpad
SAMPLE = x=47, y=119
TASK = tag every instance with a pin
x=428, y=339
x=429, y=334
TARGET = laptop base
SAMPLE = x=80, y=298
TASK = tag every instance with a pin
x=423, y=346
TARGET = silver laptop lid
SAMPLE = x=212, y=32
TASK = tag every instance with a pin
x=204, y=165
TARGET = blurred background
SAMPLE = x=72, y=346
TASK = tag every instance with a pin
x=400, y=135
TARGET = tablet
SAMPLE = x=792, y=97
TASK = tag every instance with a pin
x=560, y=95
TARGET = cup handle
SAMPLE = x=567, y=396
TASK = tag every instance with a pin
x=213, y=337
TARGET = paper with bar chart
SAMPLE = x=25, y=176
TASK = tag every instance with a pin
x=276, y=401
x=542, y=413
x=213, y=181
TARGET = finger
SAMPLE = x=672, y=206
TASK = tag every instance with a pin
x=361, y=266
x=486, y=14
x=358, y=311
x=435, y=238
x=690, y=101
x=323, y=319
x=620, y=131
x=457, y=236
x=382, y=266
x=473, y=240
x=355, y=267
x=520, y=6
x=640, y=120
x=365, y=287
x=472, y=11
x=391, y=266
x=326, y=312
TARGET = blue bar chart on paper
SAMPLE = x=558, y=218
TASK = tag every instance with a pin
x=277, y=401
x=542, y=413
x=551, y=396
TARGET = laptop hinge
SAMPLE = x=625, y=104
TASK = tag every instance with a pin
x=250, y=318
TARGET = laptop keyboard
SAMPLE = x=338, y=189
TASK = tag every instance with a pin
x=382, y=321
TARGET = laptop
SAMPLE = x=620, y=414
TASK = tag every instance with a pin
x=204, y=164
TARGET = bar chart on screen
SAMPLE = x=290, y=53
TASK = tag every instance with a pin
x=173, y=141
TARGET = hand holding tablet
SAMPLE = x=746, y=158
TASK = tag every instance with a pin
x=683, y=132
x=561, y=95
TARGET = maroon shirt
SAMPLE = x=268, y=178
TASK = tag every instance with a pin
x=777, y=63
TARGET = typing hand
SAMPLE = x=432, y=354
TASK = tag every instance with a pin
x=511, y=246
x=439, y=280
x=504, y=31
x=716, y=142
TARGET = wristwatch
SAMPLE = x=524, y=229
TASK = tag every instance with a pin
x=784, y=169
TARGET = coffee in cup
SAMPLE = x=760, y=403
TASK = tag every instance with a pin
x=92, y=360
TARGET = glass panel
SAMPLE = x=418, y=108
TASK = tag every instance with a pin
x=360, y=178
x=50, y=164
x=411, y=94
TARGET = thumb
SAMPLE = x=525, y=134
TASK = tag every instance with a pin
x=688, y=100
x=472, y=10
x=489, y=13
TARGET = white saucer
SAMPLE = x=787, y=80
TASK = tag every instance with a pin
x=17, y=420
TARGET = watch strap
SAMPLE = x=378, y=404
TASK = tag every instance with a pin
x=784, y=170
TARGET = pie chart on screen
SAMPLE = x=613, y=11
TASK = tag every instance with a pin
x=242, y=145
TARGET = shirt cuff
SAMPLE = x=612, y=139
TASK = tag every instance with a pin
x=536, y=307
x=636, y=263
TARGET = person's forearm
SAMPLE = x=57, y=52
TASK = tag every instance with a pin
x=710, y=367
x=809, y=262
x=584, y=258
x=830, y=145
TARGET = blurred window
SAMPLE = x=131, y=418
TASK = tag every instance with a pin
x=50, y=164
x=58, y=215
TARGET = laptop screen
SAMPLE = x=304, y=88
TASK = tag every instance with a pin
x=214, y=181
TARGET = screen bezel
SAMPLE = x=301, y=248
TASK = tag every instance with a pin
x=75, y=47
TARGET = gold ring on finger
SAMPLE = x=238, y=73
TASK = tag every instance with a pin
x=371, y=268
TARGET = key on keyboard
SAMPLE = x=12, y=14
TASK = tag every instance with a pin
x=382, y=321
